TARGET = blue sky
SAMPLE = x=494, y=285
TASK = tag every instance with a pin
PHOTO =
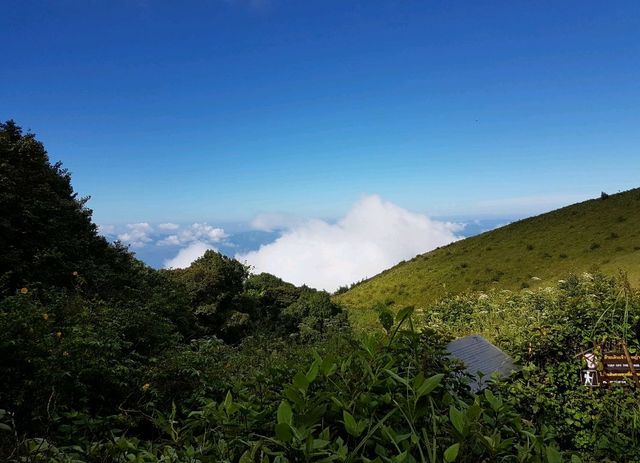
x=217, y=110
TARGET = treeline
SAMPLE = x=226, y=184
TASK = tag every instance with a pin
x=85, y=327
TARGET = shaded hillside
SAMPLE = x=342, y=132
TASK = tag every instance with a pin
x=599, y=234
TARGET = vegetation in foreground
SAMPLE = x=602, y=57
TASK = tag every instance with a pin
x=103, y=359
x=598, y=235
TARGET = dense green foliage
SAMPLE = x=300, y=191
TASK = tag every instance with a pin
x=103, y=359
x=546, y=330
x=392, y=397
x=598, y=235
x=84, y=325
x=48, y=239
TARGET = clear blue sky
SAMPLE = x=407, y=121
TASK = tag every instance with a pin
x=218, y=110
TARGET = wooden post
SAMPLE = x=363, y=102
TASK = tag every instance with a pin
x=630, y=362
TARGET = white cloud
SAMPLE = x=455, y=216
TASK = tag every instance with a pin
x=197, y=232
x=187, y=255
x=171, y=240
x=275, y=221
x=197, y=238
x=137, y=234
x=168, y=226
x=374, y=235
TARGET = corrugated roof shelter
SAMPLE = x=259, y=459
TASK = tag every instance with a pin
x=479, y=355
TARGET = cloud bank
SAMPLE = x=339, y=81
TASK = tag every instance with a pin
x=187, y=255
x=185, y=242
x=197, y=232
x=197, y=238
x=374, y=235
x=274, y=221
x=137, y=234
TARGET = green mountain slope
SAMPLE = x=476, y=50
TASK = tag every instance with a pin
x=599, y=234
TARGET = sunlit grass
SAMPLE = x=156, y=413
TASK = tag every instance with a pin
x=596, y=235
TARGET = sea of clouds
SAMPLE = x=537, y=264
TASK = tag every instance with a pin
x=373, y=235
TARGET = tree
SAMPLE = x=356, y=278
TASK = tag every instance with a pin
x=311, y=311
x=270, y=295
x=46, y=230
x=214, y=285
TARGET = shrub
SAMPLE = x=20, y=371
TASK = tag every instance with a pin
x=545, y=329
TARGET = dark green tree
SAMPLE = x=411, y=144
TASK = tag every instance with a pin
x=311, y=311
x=270, y=296
x=47, y=236
x=214, y=285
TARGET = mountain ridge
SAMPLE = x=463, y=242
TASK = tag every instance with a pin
x=601, y=234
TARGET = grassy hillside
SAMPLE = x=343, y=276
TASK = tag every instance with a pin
x=599, y=234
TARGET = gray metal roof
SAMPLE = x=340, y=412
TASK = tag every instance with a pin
x=480, y=356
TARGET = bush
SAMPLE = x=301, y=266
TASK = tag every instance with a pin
x=392, y=398
x=545, y=329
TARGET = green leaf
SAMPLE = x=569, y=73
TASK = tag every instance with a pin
x=5, y=427
x=319, y=443
x=313, y=416
x=553, y=455
x=285, y=414
x=294, y=395
x=451, y=453
x=328, y=366
x=402, y=457
x=313, y=371
x=350, y=423
x=430, y=384
x=457, y=419
x=398, y=378
x=300, y=382
x=576, y=459
x=474, y=412
x=404, y=313
x=246, y=457
x=493, y=400
x=489, y=442
x=228, y=402
x=283, y=432
x=418, y=381
x=337, y=402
